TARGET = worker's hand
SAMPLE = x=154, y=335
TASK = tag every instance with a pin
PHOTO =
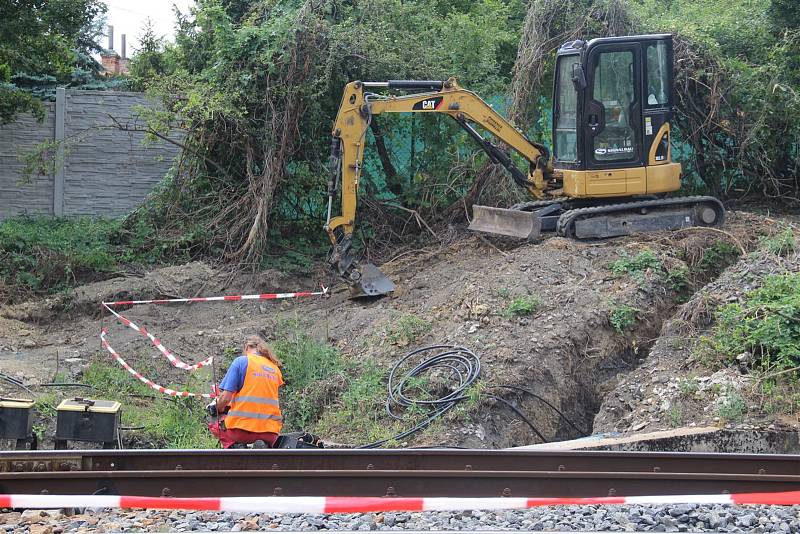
x=212, y=408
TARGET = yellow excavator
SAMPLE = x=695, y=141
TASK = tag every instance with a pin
x=610, y=169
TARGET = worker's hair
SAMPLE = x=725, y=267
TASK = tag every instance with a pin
x=256, y=344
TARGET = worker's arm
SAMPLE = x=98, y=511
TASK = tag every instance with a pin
x=357, y=109
x=224, y=400
x=231, y=383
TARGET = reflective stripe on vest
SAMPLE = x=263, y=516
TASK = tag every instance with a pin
x=255, y=407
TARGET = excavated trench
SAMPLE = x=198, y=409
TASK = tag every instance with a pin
x=565, y=350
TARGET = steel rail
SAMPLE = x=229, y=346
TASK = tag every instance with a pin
x=398, y=459
x=377, y=483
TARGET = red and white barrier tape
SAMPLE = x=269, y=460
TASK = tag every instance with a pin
x=174, y=360
x=138, y=376
x=262, y=296
x=333, y=505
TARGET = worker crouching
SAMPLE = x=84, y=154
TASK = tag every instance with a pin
x=247, y=406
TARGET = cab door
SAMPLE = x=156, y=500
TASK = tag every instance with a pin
x=612, y=120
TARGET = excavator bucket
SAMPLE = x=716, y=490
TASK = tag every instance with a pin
x=372, y=282
x=513, y=223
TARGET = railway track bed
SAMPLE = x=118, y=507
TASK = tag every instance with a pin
x=403, y=473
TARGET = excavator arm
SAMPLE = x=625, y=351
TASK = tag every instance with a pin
x=356, y=111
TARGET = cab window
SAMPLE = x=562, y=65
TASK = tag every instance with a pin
x=566, y=111
x=658, y=72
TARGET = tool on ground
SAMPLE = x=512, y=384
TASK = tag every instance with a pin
x=608, y=174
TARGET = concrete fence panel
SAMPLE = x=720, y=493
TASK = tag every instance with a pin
x=100, y=169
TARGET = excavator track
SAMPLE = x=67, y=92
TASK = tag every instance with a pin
x=614, y=220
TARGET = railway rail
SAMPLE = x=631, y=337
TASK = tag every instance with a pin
x=405, y=473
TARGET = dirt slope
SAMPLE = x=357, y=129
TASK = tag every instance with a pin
x=565, y=351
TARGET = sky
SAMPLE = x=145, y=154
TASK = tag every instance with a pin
x=128, y=17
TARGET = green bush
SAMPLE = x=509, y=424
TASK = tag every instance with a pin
x=765, y=323
x=521, y=306
x=622, y=317
x=641, y=262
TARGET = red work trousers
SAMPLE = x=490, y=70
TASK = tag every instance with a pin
x=228, y=436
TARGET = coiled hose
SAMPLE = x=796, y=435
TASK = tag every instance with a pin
x=463, y=366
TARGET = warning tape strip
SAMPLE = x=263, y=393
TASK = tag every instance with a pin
x=174, y=360
x=262, y=296
x=138, y=376
x=332, y=505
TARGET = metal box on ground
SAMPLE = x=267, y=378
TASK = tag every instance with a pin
x=16, y=421
x=87, y=420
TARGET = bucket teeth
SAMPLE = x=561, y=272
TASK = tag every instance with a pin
x=372, y=282
x=514, y=223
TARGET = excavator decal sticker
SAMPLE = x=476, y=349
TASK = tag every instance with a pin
x=428, y=104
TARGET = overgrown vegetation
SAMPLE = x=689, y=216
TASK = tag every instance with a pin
x=763, y=323
x=44, y=255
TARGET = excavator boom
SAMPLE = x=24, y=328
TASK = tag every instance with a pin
x=358, y=107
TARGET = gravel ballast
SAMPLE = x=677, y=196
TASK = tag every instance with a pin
x=670, y=518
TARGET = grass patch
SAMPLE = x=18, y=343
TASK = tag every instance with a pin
x=636, y=265
x=522, y=306
x=408, y=329
x=765, y=324
x=781, y=244
x=46, y=405
x=718, y=257
x=622, y=317
x=308, y=367
x=732, y=409
x=174, y=423
x=45, y=255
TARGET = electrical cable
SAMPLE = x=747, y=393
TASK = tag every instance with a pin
x=583, y=433
x=521, y=416
x=14, y=381
x=463, y=365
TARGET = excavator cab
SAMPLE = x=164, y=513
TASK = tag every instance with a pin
x=612, y=103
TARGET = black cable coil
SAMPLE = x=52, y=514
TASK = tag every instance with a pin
x=464, y=366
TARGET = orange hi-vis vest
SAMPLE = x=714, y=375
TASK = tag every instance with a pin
x=255, y=407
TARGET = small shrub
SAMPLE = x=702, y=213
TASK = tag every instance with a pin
x=732, y=409
x=677, y=279
x=782, y=243
x=623, y=317
x=521, y=306
x=718, y=257
x=641, y=262
x=688, y=387
x=676, y=417
x=408, y=329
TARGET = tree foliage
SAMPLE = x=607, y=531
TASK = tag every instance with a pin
x=255, y=84
x=44, y=43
